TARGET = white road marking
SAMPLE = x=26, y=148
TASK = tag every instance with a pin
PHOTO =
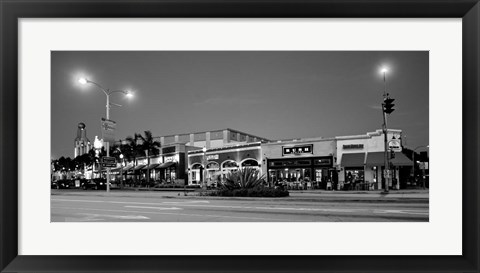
x=185, y=202
x=417, y=212
x=93, y=216
x=181, y=214
x=159, y=208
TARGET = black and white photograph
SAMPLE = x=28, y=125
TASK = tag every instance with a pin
x=239, y=136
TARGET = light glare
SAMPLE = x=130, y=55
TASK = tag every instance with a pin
x=82, y=81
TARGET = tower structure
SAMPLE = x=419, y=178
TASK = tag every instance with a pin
x=81, y=144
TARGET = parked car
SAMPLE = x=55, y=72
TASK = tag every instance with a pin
x=62, y=184
x=88, y=184
x=97, y=184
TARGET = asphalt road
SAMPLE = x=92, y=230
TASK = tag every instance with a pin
x=119, y=206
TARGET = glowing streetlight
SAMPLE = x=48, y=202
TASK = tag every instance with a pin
x=384, y=70
x=107, y=93
x=83, y=81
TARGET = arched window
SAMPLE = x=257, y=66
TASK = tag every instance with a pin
x=230, y=164
x=196, y=166
x=250, y=163
x=213, y=165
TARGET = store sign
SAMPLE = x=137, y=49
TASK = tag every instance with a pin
x=108, y=130
x=109, y=162
x=295, y=150
x=323, y=162
x=395, y=145
x=212, y=157
x=353, y=146
x=169, y=158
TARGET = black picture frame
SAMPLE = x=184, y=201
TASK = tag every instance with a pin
x=11, y=11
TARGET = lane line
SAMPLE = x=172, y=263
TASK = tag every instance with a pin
x=159, y=208
x=182, y=214
x=415, y=212
x=125, y=217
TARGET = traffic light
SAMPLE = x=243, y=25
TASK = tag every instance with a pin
x=392, y=154
x=388, y=105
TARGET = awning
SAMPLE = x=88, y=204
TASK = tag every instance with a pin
x=127, y=168
x=353, y=160
x=378, y=159
x=152, y=166
x=139, y=167
x=166, y=165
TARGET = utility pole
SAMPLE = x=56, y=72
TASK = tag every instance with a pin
x=387, y=109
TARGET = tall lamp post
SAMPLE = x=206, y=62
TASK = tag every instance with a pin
x=387, y=167
x=107, y=93
x=204, y=149
x=413, y=165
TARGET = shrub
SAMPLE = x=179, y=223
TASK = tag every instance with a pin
x=246, y=178
x=255, y=192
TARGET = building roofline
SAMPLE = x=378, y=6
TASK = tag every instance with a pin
x=229, y=129
x=378, y=132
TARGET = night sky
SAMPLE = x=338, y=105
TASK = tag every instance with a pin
x=272, y=94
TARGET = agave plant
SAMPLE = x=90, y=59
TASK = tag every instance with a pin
x=246, y=178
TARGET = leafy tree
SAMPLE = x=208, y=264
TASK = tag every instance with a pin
x=151, y=146
x=132, y=150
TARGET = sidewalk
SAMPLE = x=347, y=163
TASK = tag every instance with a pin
x=312, y=195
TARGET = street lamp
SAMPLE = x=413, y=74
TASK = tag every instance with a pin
x=384, y=71
x=107, y=93
x=413, y=166
x=204, y=149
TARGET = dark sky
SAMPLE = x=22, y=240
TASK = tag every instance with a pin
x=273, y=94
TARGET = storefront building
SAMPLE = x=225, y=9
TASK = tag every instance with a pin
x=216, y=163
x=353, y=162
x=361, y=161
x=166, y=167
x=300, y=164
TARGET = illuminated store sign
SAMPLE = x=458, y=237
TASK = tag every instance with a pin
x=212, y=157
x=295, y=150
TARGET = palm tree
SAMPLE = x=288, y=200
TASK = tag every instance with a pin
x=151, y=147
x=132, y=150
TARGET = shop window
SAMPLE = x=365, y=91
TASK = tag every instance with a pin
x=302, y=162
x=196, y=166
x=230, y=164
x=354, y=175
x=213, y=165
x=250, y=163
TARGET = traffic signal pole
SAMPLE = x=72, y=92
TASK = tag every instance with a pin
x=387, y=109
x=387, y=165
